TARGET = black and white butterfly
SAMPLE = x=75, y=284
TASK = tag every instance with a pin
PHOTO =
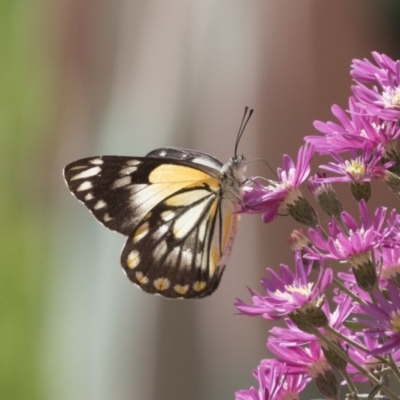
x=178, y=208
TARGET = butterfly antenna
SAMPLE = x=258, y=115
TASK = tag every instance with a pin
x=265, y=162
x=245, y=120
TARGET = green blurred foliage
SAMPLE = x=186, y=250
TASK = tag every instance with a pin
x=25, y=119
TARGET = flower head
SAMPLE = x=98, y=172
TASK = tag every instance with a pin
x=353, y=240
x=359, y=170
x=390, y=270
x=285, y=192
x=361, y=167
x=308, y=360
x=382, y=99
x=356, y=131
x=383, y=319
x=364, y=358
x=275, y=383
x=289, y=294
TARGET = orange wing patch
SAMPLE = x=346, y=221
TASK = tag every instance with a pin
x=179, y=173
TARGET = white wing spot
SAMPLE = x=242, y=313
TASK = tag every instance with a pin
x=172, y=257
x=96, y=161
x=141, y=232
x=89, y=197
x=161, y=231
x=87, y=174
x=160, y=250
x=133, y=259
x=199, y=286
x=127, y=170
x=84, y=186
x=198, y=259
x=141, y=278
x=187, y=258
x=167, y=215
x=162, y=284
x=100, y=204
x=162, y=153
x=77, y=167
x=181, y=289
x=121, y=182
x=132, y=163
x=107, y=217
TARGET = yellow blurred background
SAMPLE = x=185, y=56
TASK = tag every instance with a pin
x=81, y=78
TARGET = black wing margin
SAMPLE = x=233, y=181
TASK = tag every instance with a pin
x=101, y=183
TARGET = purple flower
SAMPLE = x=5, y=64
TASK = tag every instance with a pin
x=392, y=237
x=287, y=293
x=282, y=193
x=360, y=168
x=365, y=71
x=308, y=360
x=366, y=359
x=352, y=242
x=390, y=264
x=292, y=336
x=252, y=394
x=382, y=100
x=356, y=131
x=275, y=383
x=383, y=320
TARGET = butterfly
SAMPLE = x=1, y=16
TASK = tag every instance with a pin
x=178, y=208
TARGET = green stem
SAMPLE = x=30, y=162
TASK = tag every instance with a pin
x=393, y=367
x=342, y=225
x=350, y=361
x=343, y=288
x=349, y=382
x=352, y=343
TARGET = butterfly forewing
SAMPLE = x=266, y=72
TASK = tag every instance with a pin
x=170, y=204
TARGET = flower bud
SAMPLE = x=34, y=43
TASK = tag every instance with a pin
x=361, y=190
x=364, y=271
x=302, y=211
x=325, y=196
x=328, y=385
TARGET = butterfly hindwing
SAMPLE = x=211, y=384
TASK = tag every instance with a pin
x=170, y=252
x=170, y=205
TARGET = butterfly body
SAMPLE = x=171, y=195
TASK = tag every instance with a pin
x=178, y=208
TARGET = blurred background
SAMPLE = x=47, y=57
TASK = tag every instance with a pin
x=81, y=78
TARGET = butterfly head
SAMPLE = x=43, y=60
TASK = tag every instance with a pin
x=234, y=178
x=234, y=169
